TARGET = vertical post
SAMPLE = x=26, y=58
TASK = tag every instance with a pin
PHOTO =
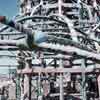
x=18, y=92
x=79, y=7
x=61, y=80
x=30, y=87
x=39, y=87
x=83, y=80
x=60, y=62
x=26, y=86
x=98, y=80
x=22, y=86
x=60, y=6
x=27, y=77
x=27, y=82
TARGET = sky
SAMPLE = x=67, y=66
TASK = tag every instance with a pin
x=8, y=8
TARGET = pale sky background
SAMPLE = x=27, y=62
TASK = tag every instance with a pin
x=8, y=8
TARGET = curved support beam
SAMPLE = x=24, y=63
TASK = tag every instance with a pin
x=71, y=49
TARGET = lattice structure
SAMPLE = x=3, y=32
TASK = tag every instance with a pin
x=68, y=59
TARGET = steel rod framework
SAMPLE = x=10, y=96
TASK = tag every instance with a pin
x=71, y=31
x=55, y=70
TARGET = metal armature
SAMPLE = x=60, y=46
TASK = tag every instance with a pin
x=25, y=61
x=59, y=53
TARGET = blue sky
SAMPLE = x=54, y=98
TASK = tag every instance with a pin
x=8, y=7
